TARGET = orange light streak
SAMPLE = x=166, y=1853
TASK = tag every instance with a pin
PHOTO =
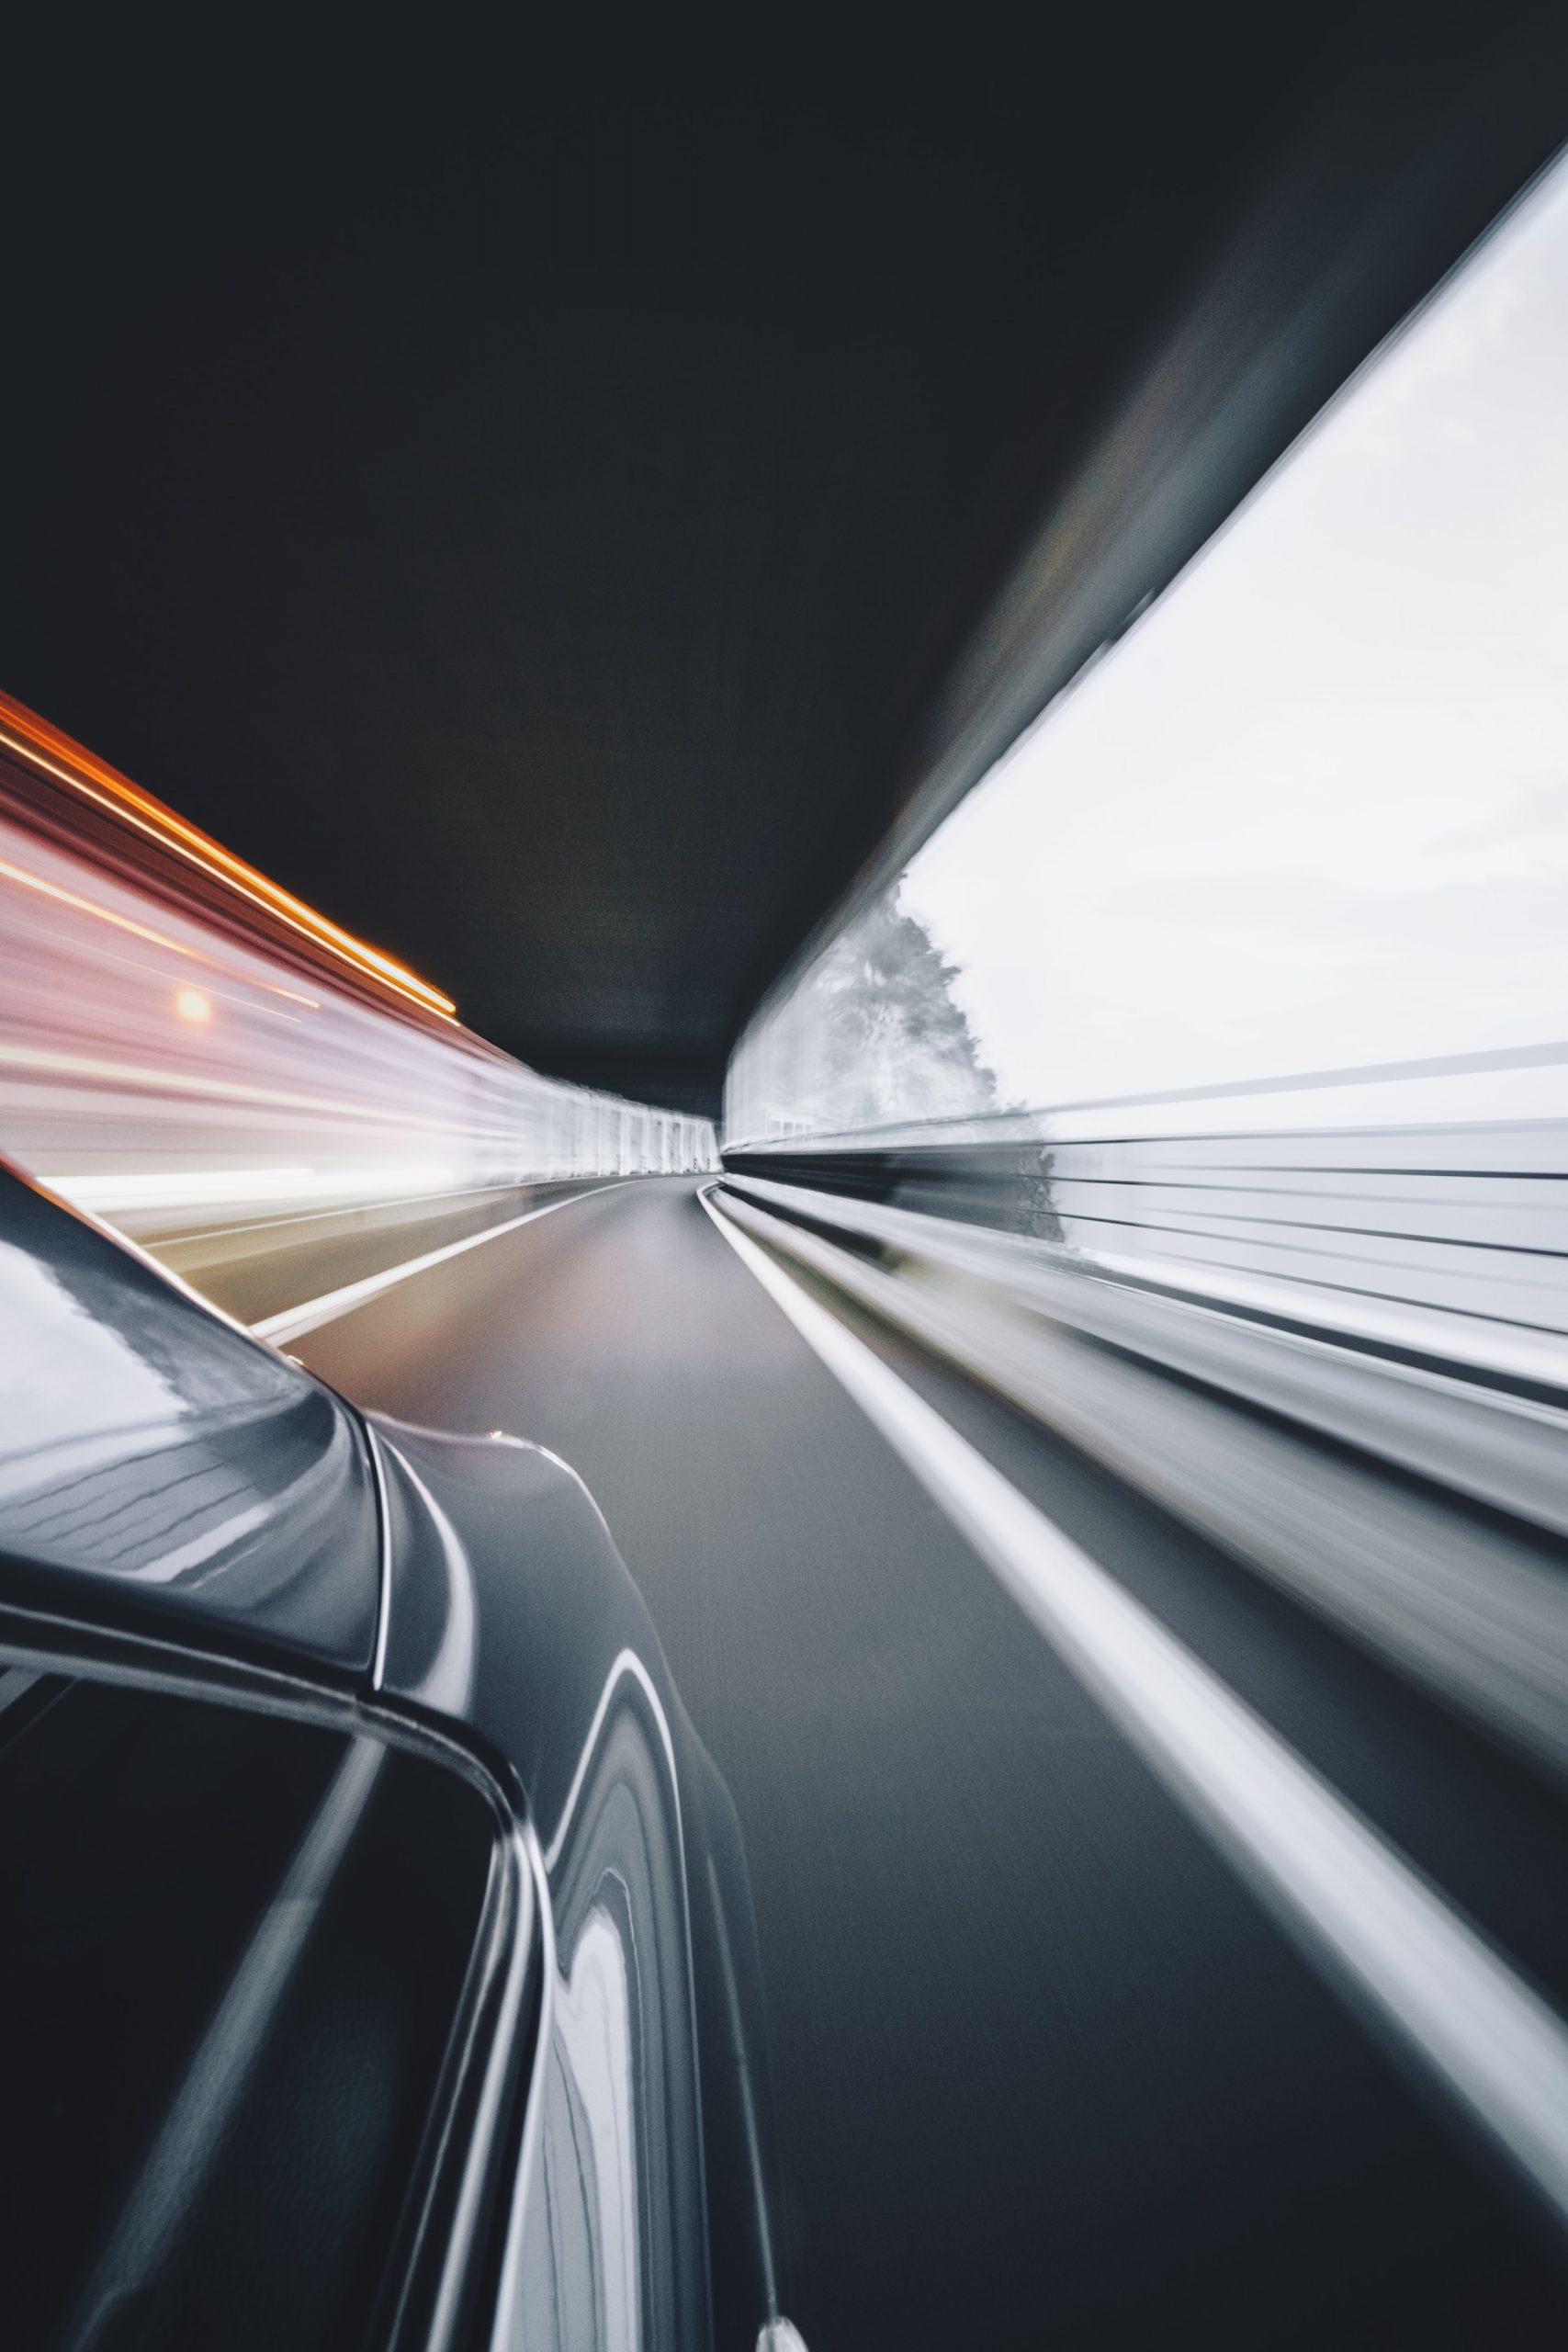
x=34, y=740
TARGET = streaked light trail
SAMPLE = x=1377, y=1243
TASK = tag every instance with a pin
x=169, y=1084
x=33, y=739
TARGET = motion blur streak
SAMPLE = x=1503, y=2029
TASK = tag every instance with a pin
x=101, y=914
x=1452, y=2001
x=1239, y=975
x=186, y=1045
x=22, y=731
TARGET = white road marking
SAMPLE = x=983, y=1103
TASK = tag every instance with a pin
x=320, y=1216
x=293, y=1320
x=1357, y=1905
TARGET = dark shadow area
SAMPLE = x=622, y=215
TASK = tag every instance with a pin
x=532, y=487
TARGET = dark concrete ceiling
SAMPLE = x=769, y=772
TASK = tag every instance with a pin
x=532, y=492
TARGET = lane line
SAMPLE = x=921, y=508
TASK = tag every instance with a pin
x=1356, y=1905
x=293, y=1320
x=334, y=1208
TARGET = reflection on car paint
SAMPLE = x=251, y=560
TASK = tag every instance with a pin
x=163, y=1474
x=146, y=1441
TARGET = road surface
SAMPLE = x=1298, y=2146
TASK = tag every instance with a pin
x=1048, y=2070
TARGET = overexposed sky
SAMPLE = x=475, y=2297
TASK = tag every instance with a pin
x=1313, y=812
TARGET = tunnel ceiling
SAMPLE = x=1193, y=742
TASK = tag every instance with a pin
x=528, y=494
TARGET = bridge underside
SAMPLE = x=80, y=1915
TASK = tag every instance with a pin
x=549, y=508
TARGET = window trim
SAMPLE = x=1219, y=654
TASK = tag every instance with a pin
x=476, y=2154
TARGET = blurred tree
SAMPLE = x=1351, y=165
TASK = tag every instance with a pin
x=896, y=1043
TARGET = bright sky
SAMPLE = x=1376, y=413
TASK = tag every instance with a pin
x=1313, y=810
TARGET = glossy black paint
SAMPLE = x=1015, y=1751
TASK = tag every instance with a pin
x=167, y=1479
x=544, y=1650
x=179, y=1469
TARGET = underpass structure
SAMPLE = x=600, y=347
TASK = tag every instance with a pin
x=1014, y=1141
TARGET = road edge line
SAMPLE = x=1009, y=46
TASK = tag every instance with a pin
x=1359, y=1909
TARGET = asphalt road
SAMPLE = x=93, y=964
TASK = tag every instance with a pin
x=254, y=1266
x=1046, y=2070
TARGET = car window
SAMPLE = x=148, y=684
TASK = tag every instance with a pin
x=233, y=1953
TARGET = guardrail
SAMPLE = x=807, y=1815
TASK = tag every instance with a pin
x=1338, y=1354
x=1421, y=1210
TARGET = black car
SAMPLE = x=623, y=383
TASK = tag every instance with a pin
x=377, y=1957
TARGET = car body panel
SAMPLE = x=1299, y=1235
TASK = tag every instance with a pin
x=170, y=1489
x=652, y=2071
x=170, y=1464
